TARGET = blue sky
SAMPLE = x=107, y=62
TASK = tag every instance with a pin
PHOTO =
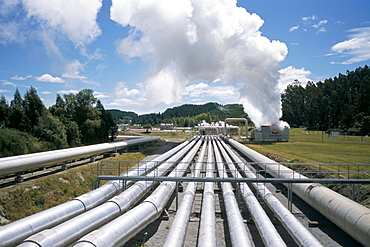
x=148, y=55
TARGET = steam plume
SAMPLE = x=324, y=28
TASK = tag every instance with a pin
x=186, y=40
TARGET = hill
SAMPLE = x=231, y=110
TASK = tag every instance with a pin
x=182, y=116
x=122, y=116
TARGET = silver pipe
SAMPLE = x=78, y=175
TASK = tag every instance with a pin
x=119, y=231
x=207, y=228
x=299, y=233
x=238, y=232
x=177, y=233
x=266, y=228
x=350, y=216
x=17, y=231
x=21, y=163
x=71, y=230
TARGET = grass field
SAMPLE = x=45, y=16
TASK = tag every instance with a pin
x=314, y=147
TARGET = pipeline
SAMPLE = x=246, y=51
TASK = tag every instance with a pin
x=119, y=231
x=207, y=229
x=177, y=233
x=71, y=230
x=296, y=230
x=238, y=233
x=350, y=216
x=267, y=230
x=17, y=231
x=20, y=163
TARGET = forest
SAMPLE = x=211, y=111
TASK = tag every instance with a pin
x=341, y=103
x=76, y=119
x=183, y=116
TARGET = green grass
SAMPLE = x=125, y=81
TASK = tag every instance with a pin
x=313, y=147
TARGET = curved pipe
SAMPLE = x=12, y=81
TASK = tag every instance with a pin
x=20, y=163
x=119, y=231
x=207, y=228
x=238, y=232
x=177, y=233
x=71, y=230
x=350, y=216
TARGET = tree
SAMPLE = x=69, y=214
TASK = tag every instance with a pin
x=50, y=128
x=33, y=108
x=4, y=112
x=17, y=116
x=108, y=126
x=147, y=127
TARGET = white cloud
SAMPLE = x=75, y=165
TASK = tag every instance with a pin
x=49, y=78
x=20, y=78
x=308, y=18
x=289, y=74
x=73, y=91
x=189, y=40
x=5, y=91
x=128, y=97
x=293, y=28
x=97, y=55
x=8, y=83
x=46, y=92
x=123, y=92
x=51, y=22
x=356, y=48
x=72, y=70
x=217, y=92
x=75, y=19
x=317, y=26
x=100, y=95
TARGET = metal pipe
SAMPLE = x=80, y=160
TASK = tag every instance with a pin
x=267, y=230
x=207, y=228
x=350, y=216
x=299, y=233
x=17, y=231
x=20, y=163
x=119, y=231
x=238, y=232
x=71, y=230
x=177, y=233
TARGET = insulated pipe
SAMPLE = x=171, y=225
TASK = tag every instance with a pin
x=267, y=230
x=298, y=232
x=17, y=231
x=20, y=163
x=71, y=230
x=207, y=228
x=177, y=233
x=238, y=232
x=119, y=231
x=350, y=216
